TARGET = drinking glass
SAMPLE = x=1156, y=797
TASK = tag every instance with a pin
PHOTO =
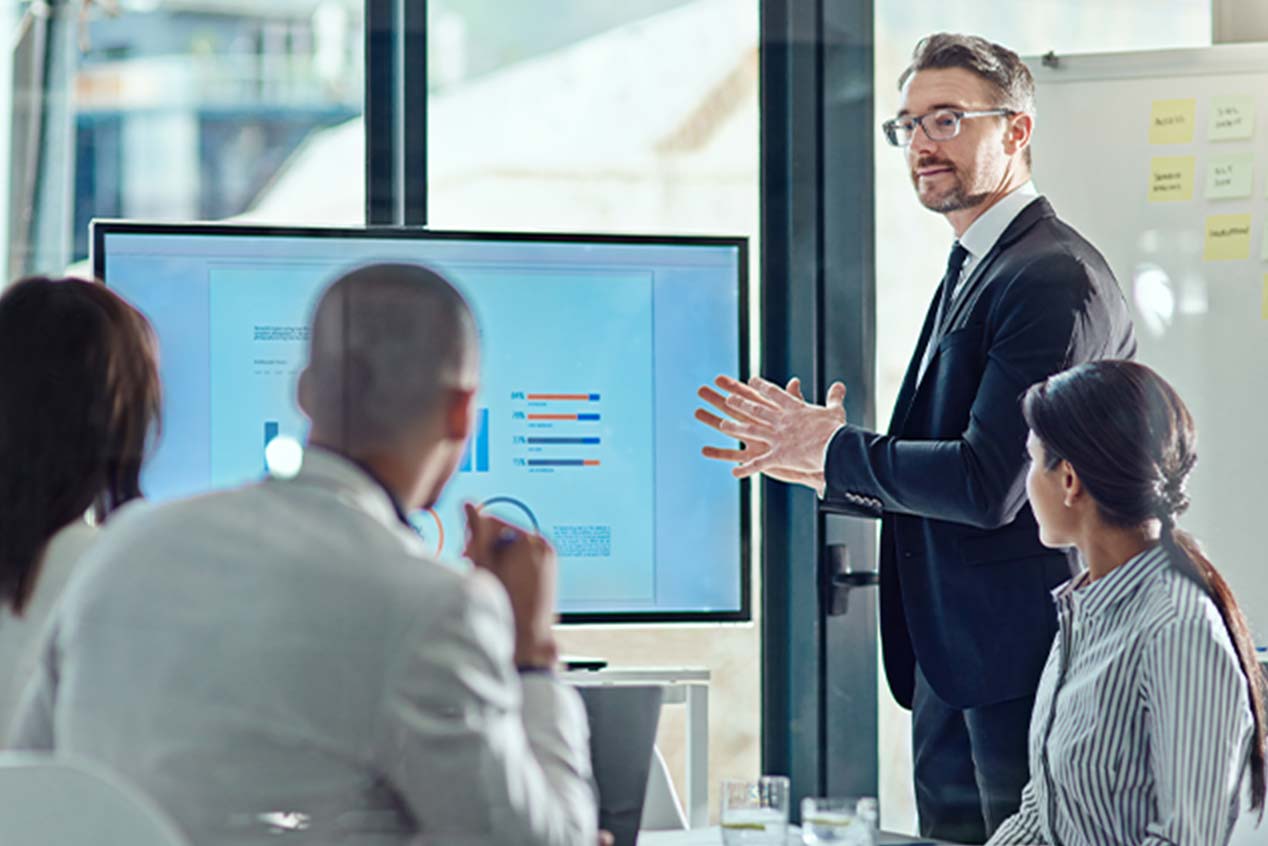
x=755, y=813
x=843, y=821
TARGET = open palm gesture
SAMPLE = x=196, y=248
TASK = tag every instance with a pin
x=781, y=434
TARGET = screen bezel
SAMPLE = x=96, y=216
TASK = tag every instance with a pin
x=100, y=228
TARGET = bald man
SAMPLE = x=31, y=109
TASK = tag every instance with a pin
x=287, y=658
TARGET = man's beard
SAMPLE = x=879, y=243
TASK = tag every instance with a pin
x=953, y=200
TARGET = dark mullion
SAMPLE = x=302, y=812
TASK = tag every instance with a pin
x=381, y=108
x=791, y=277
x=414, y=116
x=848, y=350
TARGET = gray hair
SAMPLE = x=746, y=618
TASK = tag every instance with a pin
x=1000, y=67
x=388, y=342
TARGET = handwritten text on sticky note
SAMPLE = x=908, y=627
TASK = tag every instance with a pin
x=1171, y=121
x=1232, y=118
x=1170, y=179
x=1229, y=176
x=1227, y=237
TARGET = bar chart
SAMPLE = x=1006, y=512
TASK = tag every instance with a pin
x=557, y=430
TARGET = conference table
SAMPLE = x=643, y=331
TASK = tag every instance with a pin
x=712, y=836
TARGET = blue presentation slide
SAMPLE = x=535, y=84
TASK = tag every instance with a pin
x=583, y=422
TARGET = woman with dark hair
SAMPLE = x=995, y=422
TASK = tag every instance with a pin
x=1151, y=706
x=79, y=399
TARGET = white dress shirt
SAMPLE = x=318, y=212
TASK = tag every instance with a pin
x=1141, y=730
x=979, y=239
x=286, y=659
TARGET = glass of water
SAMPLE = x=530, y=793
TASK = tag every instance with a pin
x=755, y=813
x=847, y=822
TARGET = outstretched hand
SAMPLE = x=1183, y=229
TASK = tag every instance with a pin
x=781, y=434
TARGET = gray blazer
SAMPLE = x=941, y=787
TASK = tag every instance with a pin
x=287, y=658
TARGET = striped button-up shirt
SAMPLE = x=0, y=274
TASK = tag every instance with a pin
x=1141, y=730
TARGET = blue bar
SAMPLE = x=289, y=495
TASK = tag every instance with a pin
x=576, y=441
x=482, y=442
x=270, y=432
x=594, y=398
x=587, y=417
x=475, y=456
x=556, y=462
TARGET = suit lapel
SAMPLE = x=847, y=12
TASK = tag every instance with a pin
x=1029, y=216
x=1039, y=209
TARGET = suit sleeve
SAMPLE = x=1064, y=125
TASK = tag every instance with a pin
x=1042, y=323
x=477, y=755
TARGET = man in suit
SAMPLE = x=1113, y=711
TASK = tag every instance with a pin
x=286, y=661
x=966, y=615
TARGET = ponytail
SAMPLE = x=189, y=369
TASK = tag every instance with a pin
x=1187, y=554
x=1132, y=442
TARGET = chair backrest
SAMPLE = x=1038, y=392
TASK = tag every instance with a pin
x=54, y=801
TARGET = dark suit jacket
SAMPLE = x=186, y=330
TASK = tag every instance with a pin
x=965, y=583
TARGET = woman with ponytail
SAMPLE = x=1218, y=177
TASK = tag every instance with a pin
x=1149, y=721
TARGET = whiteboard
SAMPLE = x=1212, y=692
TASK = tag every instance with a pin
x=1200, y=301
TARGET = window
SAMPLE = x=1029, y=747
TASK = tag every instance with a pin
x=159, y=109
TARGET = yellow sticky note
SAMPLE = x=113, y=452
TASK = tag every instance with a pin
x=1227, y=237
x=1171, y=121
x=1229, y=176
x=1264, y=311
x=1170, y=179
x=1232, y=118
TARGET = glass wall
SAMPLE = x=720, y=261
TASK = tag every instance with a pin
x=905, y=278
x=638, y=117
x=169, y=110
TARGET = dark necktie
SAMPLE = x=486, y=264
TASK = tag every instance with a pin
x=946, y=291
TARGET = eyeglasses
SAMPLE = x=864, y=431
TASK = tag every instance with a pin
x=939, y=125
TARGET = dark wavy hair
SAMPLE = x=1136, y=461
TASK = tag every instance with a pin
x=1132, y=442
x=1002, y=69
x=79, y=402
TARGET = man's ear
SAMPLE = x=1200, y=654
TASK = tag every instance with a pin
x=460, y=414
x=1018, y=133
x=304, y=393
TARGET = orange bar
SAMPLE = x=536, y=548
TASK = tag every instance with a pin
x=590, y=463
x=552, y=417
x=561, y=397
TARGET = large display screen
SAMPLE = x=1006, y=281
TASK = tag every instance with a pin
x=592, y=348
